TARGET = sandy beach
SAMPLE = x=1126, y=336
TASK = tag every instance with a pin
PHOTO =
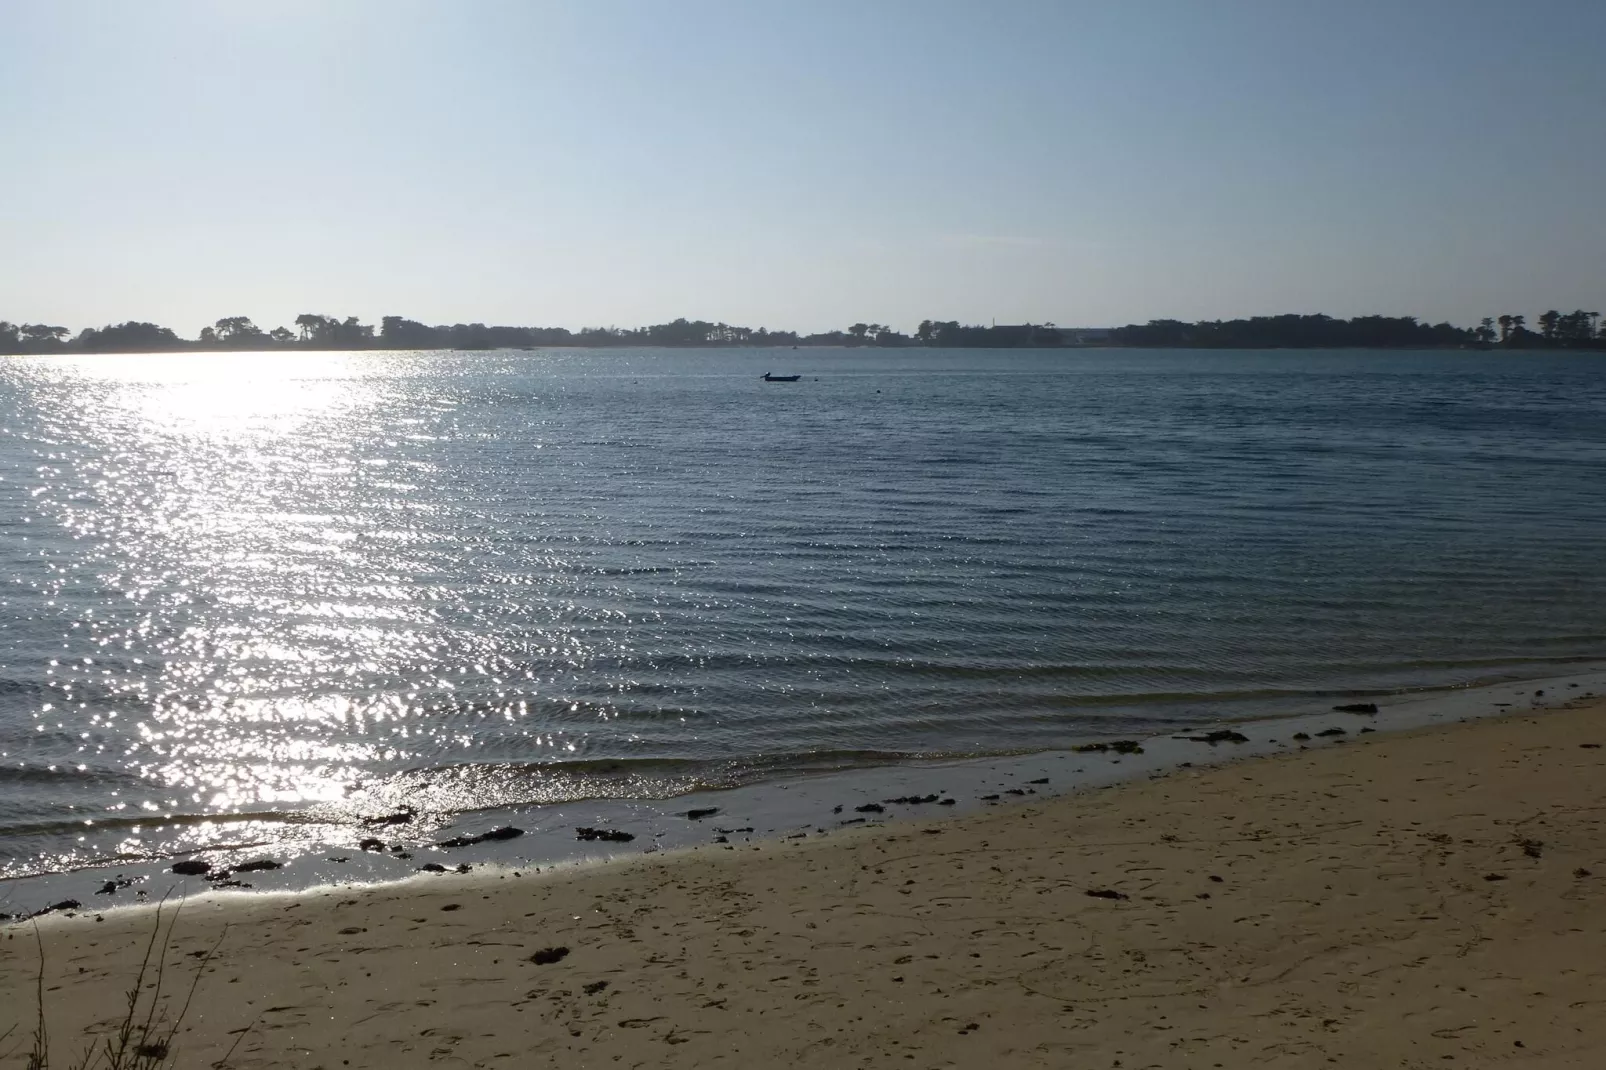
x=1428, y=898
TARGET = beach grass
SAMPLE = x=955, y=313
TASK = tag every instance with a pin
x=145, y=1036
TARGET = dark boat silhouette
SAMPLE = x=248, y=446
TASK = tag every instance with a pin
x=768, y=378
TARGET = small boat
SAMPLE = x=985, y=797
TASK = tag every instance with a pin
x=768, y=378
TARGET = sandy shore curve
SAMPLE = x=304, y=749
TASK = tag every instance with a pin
x=1427, y=898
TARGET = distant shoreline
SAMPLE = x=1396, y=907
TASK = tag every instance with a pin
x=1573, y=330
x=194, y=348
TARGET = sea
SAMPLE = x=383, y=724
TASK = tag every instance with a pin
x=259, y=598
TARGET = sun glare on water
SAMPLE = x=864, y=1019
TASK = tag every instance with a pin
x=256, y=394
x=222, y=502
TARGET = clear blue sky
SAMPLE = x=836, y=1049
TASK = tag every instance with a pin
x=799, y=164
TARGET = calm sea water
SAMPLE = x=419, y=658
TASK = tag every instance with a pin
x=254, y=597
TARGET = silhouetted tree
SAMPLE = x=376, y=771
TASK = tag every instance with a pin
x=238, y=331
x=1505, y=329
x=1575, y=327
x=350, y=332
x=407, y=334
x=42, y=335
x=282, y=335
x=310, y=325
x=130, y=337
x=1294, y=331
x=332, y=333
x=1548, y=323
x=681, y=332
x=1520, y=337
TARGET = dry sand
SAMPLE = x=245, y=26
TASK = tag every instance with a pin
x=1332, y=907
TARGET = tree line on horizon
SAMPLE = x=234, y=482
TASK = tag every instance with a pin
x=1557, y=330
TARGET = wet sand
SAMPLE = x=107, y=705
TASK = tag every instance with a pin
x=1427, y=898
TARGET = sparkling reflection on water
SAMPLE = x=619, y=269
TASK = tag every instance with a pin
x=278, y=591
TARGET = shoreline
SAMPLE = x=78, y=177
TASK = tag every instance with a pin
x=1418, y=896
x=812, y=804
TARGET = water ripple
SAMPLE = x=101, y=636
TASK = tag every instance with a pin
x=262, y=593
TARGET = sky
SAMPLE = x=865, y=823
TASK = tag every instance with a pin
x=799, y=165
